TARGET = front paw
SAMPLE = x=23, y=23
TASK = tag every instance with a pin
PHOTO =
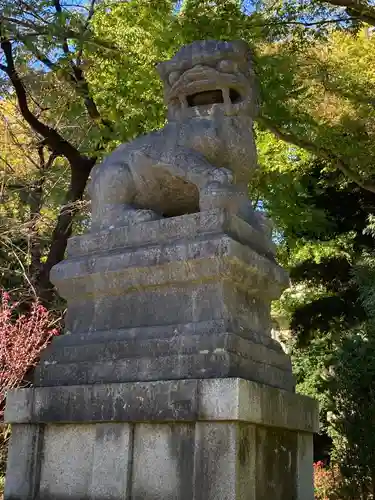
x=222, y=176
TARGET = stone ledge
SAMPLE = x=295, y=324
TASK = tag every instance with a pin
x=183, y=344
x=210, y=327
x=142, y=267
x=172, y=367
x=166, y=230
x=184, y=400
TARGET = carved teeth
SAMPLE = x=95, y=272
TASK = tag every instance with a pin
x=183, y=102
x=227, y=100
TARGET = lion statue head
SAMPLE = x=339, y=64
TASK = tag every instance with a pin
x=210, y=77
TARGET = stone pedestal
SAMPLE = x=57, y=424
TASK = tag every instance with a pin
x=185, y=297
x=167, y=383
x=220, y=439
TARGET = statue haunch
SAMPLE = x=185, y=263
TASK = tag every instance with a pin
x=204, y=156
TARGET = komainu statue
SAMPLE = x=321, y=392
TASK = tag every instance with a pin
x=204, y=156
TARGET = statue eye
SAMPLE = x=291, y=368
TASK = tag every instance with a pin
x=227, y=66
x=173, y=77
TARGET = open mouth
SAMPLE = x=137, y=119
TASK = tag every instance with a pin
x=210, y=97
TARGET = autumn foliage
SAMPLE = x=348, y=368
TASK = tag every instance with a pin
x=22, y=338
x=326, y=482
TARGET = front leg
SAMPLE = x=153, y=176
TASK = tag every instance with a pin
x=216, y=185
x=112, y=190
x=230, y=197
x=185, y=163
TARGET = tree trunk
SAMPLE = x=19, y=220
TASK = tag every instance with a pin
x=80, y=171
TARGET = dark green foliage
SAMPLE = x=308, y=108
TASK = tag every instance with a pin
x=345, y=204
x=339, y=310
x=336, y=312
x=334, y=273
x=352, y=392
x=343, y=210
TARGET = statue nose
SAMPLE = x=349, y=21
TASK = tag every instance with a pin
x=196, y=71
x=198, y=68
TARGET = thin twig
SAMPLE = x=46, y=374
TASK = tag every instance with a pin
x=7, y=164
x=25, y=274
x=89, y=17
x=318, y=151
x=58, y=9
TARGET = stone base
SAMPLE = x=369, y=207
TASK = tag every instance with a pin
x=185, y=297
x=218, y=439
x=195, y=350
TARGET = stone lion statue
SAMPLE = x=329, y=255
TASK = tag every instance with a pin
x=204, y=156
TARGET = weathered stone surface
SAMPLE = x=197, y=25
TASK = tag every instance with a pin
x=182, y=344
x=305, y=457
x=183, y=400
x=164, y=401
x=205, y=460
x=186, y=285
x=161, y=231
x=195, y=302
x=163, y=467
x=172, y=367
x=112, y=462
x=23, y=462
x=203, y=157
x=226, y=439
x=66, y=461
x=168, y=305
x=72, y=462
x=219, y=279
x=86, y=461
x=153, y=266
x=202, y=328
x=139, y=347
x=223, y=471
x=237, y=399
x=215, y=462
x=181, y=356
x=276, y=463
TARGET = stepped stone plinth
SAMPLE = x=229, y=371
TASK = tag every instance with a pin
x=179, y=298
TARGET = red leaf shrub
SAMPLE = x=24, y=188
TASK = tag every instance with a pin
x=22, y=339
x=327, y=482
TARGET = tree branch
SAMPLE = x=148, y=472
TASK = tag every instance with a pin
x=89, y=17
x=36, y=196
x=80, y=167
x=77, y=77
x=361, y=10
x=20, y=22
x=36, y=30
x=7, y=164
x=39, y=55
x=53, y=139
x=58, y=9
x=317, y=151
x=301, y=23
x=31, y=11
